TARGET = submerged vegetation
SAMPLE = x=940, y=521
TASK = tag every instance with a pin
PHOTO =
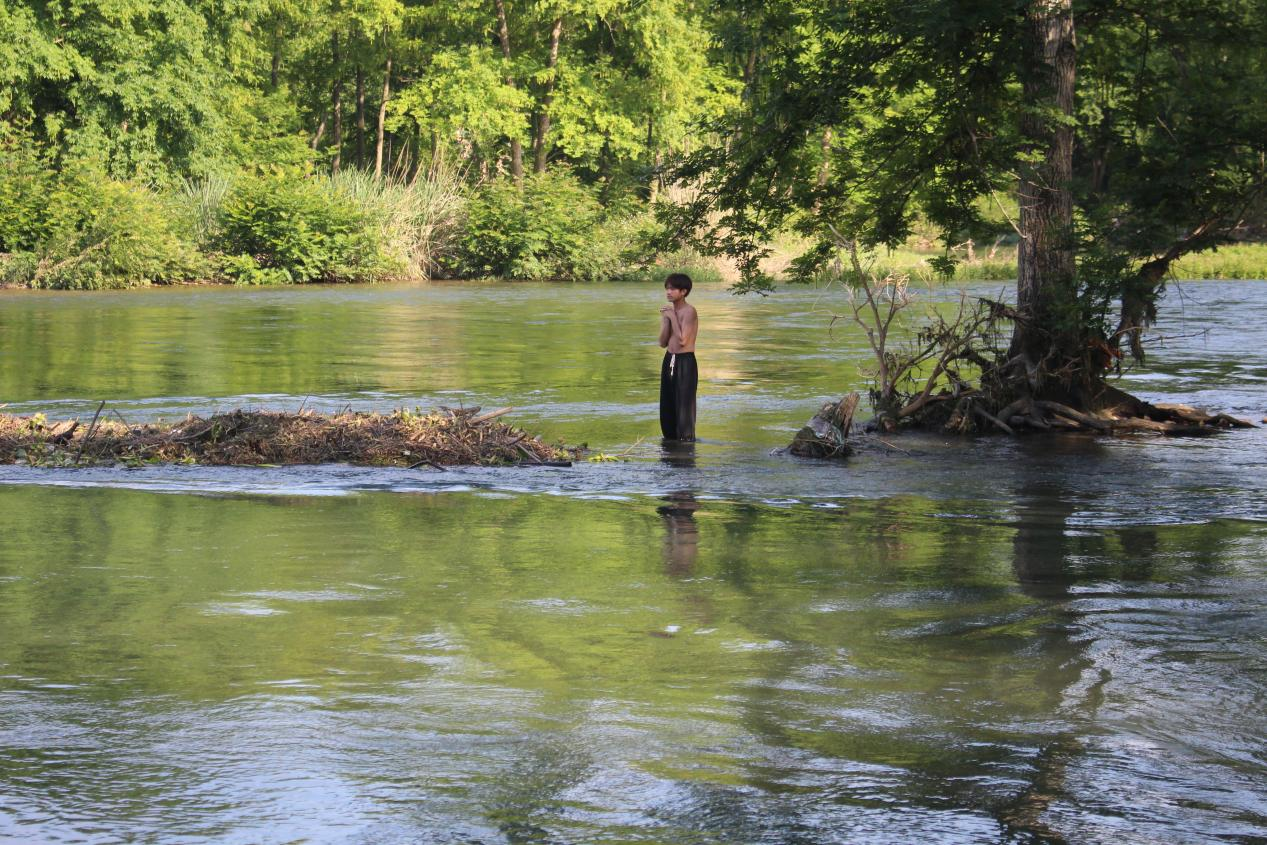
x=252, y=438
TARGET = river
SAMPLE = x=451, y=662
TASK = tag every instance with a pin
x=1057, y=639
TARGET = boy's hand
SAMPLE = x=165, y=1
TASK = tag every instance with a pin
x=667, y=310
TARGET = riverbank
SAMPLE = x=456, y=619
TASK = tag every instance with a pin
x=1239, y=262
x=448, y=437
x=79, y=229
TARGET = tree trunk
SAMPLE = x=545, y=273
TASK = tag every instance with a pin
x=336, y=105
x=543, y=119
x=382, y=113
x=275, y=70
x=1046, y=295
x=503, y=35
x=657, y=163
x=824, y=169
x=360, y=116
x=321, y=130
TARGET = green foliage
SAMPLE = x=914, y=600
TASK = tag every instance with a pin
x=25, y=184
x=1236, y=261
x=83, y=230
x=464, y=93
x=873, y=119
x=245, y=270
x=173, y=94
x=298, y=230
x=200, y=203
x=111, y=233
x=543, y=231
x=17, y=269
x=415, y=219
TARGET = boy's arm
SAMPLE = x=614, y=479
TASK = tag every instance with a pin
x=688, y=327
x=667, y=325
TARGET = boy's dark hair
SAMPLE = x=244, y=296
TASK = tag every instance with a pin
x=679, y=281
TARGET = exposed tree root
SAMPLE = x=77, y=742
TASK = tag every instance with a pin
x=402, y=439
x=926, y=382
x=1116, y=412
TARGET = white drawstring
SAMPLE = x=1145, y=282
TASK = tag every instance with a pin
x=672, y=362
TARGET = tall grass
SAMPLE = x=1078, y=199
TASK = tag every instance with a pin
x=1236, y=261
x=199, y=203
x=417, y=217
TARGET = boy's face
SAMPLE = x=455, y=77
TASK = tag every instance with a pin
x=674, y=295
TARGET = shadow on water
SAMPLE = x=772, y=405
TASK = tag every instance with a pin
x=1042, y=560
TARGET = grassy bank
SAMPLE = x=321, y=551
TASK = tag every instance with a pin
x=1237, y=261
x=79, y=228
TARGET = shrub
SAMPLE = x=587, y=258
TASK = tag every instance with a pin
x=25, y=185
x=18, y=268
x=544, y=231
x=105, y=233
x=301, y=230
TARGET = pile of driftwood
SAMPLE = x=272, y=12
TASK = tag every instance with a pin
x=1127, y=415
x=447, y=437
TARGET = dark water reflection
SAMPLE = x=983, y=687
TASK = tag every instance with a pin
x=1057, y=640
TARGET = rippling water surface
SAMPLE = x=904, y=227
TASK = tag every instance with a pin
x=1035, y=640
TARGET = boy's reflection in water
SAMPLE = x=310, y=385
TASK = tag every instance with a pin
x=681, y=541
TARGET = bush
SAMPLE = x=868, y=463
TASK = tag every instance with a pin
x=298, y=230
x=545, y=231
x=18, y=268
x=105, y=233
x=25, y=185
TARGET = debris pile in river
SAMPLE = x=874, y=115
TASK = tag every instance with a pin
x=1124, y=414
x=448, y=437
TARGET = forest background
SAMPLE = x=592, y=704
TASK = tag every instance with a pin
x=271, y=141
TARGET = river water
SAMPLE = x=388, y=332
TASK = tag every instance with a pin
x=1057, y=639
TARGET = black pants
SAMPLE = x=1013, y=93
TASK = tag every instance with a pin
x=679, y=377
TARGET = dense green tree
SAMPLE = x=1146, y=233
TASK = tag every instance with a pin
x=1126, y=134
x=162, y=89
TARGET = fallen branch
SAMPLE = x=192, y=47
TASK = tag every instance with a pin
x=992, y=419
x=92, y=429
x=489, y=416
x=1087, y=420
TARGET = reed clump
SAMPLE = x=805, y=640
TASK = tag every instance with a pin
x=403, y=438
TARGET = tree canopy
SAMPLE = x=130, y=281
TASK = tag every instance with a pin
x=867, y=117
x=160, y=89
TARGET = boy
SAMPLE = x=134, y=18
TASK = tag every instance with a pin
x=679, y=375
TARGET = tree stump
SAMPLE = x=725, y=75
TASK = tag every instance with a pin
x=827, y=432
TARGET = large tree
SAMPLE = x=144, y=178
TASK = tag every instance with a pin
x=1112, y=137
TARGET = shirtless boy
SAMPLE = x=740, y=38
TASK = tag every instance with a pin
x=679, y=375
